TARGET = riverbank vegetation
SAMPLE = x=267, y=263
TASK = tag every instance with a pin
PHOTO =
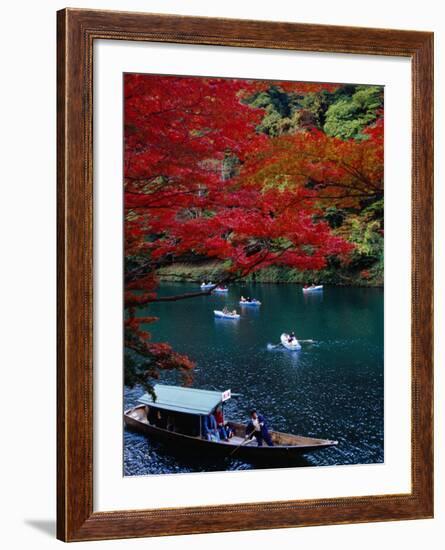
x=234, y=180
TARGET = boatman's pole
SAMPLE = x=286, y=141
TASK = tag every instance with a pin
x=247, y=438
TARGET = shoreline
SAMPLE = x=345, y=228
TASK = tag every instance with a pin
x=186, y=273
x=244, y=282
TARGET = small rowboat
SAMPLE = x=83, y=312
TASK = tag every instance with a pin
x=221, y=289
x=251, y=303
x=223, y=315
x=293, y=345
x=175, y=419
x=313, y=288
x=205, y=286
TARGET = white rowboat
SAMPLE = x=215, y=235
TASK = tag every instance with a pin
x=293, y=345
x=223, y=315
x=206, y=285
x=313, y=288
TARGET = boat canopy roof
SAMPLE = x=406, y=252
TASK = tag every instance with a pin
x=185, y=400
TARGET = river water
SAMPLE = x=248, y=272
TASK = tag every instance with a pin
x=332, y=388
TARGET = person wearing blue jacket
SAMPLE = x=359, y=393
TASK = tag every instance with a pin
x=210, y=428
x=257, y=428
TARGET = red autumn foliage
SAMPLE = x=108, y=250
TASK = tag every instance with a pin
x=179, y=201
x=343, y=172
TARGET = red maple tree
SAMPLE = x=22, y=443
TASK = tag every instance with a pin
x=345, y=172
x=192, y=191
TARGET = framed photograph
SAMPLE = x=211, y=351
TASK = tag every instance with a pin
x=245, y=228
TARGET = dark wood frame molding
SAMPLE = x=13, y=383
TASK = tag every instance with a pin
x=77, y=30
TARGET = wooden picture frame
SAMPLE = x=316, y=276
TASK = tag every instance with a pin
x=77, y=31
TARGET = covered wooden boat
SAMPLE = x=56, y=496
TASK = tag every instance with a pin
x=175, y=418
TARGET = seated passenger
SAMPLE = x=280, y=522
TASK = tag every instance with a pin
x=170, y=424
x=159, y=420
x=219, y=416
x=229, y=431
x=210, y=428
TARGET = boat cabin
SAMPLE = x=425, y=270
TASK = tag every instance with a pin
x=181, y=410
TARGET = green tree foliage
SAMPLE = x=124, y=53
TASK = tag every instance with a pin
x=349, y=115
x=317, y=103
x=344, y=112
x=364, y=228
x=282, y=111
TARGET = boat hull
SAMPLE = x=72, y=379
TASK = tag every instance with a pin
x=318, y=288
x=249, y=452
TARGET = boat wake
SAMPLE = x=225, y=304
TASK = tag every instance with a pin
x=280, y=347
x=276, y=348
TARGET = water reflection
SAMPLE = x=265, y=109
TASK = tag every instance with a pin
x=313, y=297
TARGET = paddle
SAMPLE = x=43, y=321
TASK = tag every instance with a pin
x=246, y=439
x=273, y=346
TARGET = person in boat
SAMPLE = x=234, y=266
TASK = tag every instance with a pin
x=229, y=431
x=170, y=424
x=257, y=428
x=242, y=299
x=291, y=337
x=210, y=428
x=225, y=310
x=159, y=420
x=219, y=416
x=234, y=312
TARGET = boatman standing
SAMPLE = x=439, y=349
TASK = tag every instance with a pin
x=257, y=427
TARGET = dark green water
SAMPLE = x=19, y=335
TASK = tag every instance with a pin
x=330, y=389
